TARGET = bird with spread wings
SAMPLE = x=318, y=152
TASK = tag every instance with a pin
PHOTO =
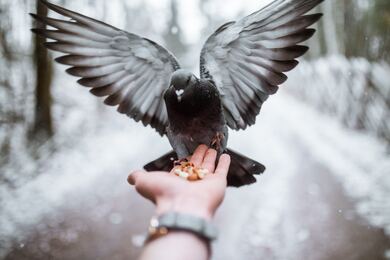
x=242, y=63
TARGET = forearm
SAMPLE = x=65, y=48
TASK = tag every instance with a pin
x=176, y=245
x=183, y=205
x=179, y=244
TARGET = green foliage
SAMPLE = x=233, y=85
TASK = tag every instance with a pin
x=362, y=29
x=378, y=23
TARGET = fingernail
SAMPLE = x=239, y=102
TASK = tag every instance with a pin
x=131, y=178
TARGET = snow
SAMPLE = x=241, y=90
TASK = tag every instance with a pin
x=90, y=141
x=94, y=147
x=358, y=160
x=356, y=91
x=337, y=86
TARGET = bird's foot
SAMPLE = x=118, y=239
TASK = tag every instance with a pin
x=180, y=162
x=217, y=140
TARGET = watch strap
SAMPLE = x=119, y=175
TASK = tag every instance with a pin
x=179, y=221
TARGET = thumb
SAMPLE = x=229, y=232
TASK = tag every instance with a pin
x=132, y=179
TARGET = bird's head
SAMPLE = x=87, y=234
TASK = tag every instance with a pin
x=182, y=84
x=189, y=95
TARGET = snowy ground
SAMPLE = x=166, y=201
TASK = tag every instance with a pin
x=324, y=195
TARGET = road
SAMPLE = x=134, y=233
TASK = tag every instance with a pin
x=299, y=209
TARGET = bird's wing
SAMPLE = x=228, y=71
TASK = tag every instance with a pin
x=247, y=59
x=131, y=71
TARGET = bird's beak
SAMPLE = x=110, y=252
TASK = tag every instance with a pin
x=179, y=94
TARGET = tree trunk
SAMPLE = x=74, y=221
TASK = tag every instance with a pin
x=173, y=36
x=330, y=30
x=43, y=120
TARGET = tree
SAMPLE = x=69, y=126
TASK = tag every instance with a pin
x=43, y=120
x=174, y=36
x=378, y=19
x=330, y=24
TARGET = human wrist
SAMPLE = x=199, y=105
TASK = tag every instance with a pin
x=173, y=221
x=186, y=205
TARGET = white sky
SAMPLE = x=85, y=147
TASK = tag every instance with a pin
x=192, y=20
x=228, y=9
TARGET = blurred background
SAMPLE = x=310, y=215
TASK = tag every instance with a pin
x=325, y=139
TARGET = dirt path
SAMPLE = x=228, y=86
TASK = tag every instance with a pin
x=317, y=221
x=297, y=210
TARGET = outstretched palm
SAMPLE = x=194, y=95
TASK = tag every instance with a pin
x=171, y=193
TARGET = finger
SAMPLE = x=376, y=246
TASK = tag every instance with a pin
x=209, y=160
x=223, y=166
x=143, y=184
x=134, y=176
x=197, y=157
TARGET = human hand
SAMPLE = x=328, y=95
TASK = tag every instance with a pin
x=172, y=193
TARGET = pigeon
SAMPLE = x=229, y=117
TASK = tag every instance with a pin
x=241, y=64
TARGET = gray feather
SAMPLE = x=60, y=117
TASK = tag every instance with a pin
x=253, y=53
x=290, y=40
x=95, y=25
x=82, y=50
x=102, y=80
x=83, y=61
x=72, y=27
x=91, y=72
x=130, y=71
x=69, y=38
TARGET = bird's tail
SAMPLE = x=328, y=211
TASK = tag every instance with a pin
x=241, y=169
x=164, y=163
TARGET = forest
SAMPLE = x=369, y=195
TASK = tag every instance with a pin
x=48, y=124
x=356, y=31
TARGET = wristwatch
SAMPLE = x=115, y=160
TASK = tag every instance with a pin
x=161, y=225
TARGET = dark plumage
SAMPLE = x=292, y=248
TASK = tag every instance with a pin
x=195, y=116
x=242, y=63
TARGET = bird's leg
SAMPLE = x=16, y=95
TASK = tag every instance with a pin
x=217, y=140
x=179, y=162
